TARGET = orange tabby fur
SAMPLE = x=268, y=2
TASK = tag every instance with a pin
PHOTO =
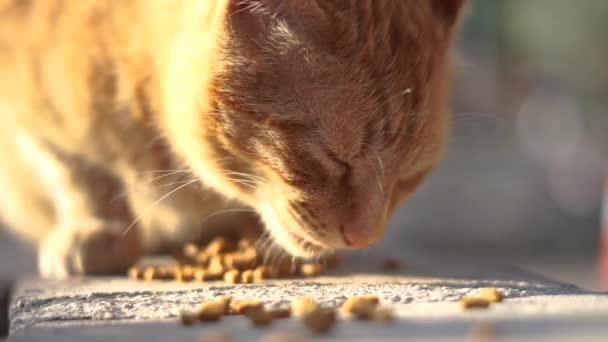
x=320, y=115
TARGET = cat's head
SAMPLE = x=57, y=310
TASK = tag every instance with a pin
x=323, y=115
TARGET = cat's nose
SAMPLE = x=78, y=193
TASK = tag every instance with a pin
x=359, y=234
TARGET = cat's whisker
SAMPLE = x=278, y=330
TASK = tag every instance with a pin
x=134, y=187
x=226, y=211
x=247, y=175
x=145, y=211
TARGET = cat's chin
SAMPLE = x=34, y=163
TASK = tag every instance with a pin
x=290, y=239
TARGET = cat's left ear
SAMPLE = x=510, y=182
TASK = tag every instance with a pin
x=449, y=10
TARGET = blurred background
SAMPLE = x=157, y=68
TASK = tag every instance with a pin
x=523, y=178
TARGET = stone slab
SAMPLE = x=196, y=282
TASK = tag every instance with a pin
x=424, y=295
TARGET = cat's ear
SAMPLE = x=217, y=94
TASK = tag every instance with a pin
x=449, y=10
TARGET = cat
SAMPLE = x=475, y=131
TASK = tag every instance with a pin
x=126, y=125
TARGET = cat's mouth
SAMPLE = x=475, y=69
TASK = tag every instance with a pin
x=288, y=236
x=310, y=247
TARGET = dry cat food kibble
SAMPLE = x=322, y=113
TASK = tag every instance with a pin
x=232, y=261
x=472, y=302
x=483, y=300
x=232, y=277
x=212, y=311
x=312, y=270
x=317, y=319
x=491, y=294
x=320, y=321
x=301, y=307
x=241, y=307
x=259, y=317
x=362, y=307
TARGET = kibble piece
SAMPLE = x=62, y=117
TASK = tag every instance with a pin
x=391, y=264
x=243, y=244
x=247, y=277
x=232, y=277
x=212, y=311
x=201, y=259
x=185, y=273
x=259, y=317
x=320, y=321
x=280, y=313
x=243, y=260
x=219, y=245
x=199, y=274
x=225, y=302
x=215, y=270
x=362, y=307
x=301, y=307
x=149, y=273
x=134, y=273
x=261, y=273
x=491, y=294
x=472, y=302
x=188, y=318
x=190, y=251
x=311, y=270
x=164, y=273
x=383, y=315
x=241, y=307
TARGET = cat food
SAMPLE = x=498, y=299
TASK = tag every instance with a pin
x=474, y=302
x=232, y=277
x=259, y=317
x=262, y=272
x=491, y=294
x=226, y=301
x=135, y=273
x=317, y=319
x=247, y=277
x=311, y=270
x=241, y=307
x=229, y=260
x=212, y=311
x=301, y=307
x=362, y=307
x=320, y=321
x=149, y=274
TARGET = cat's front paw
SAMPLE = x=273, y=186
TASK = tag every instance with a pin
x=88, y=246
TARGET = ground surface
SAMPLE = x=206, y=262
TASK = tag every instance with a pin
x=424, y=295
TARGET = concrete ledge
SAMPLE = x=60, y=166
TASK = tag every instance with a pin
x=423, y=295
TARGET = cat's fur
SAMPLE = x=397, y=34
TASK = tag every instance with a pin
x=321, y=115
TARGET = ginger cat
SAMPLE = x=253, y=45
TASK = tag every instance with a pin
x=127, y=124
